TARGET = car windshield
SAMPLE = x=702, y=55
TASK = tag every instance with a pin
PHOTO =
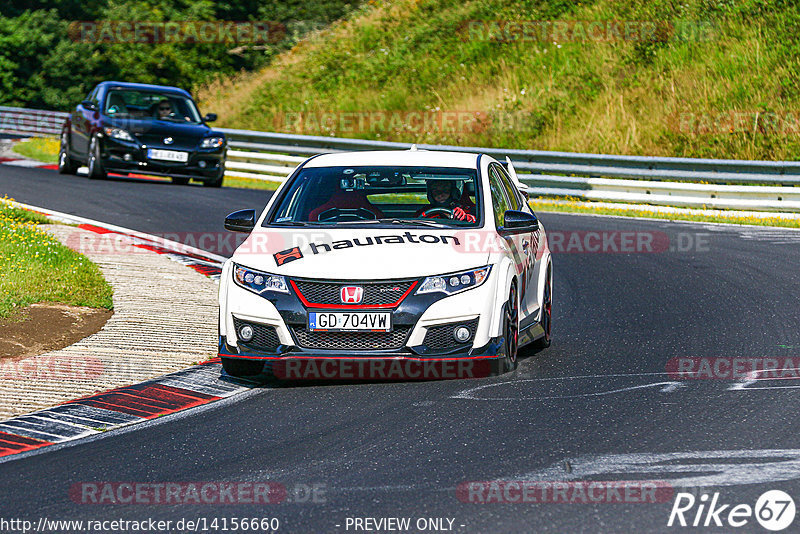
x=149, y=105
x=420, y=196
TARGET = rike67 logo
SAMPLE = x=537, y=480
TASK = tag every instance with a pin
x=774, y=510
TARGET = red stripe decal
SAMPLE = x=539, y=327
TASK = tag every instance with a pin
x=95, y=229
x=148, y=401
x=315, y=305
x=13, y=444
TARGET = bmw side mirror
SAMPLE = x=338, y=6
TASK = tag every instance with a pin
x=517, y=222
x=241, y=221
x=210, y=117
x=88, y=104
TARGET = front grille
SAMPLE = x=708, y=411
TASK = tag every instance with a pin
x=441, y=337
x=265, y=338
x=179, y=142
x=395, y=339
x=375, y=293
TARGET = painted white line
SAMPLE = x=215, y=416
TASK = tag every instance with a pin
x=753, y=378
x=693, y=468
x=668, y=387
x=466, y=393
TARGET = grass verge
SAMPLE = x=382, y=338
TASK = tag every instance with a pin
x=35, y=267
x=43, y=149
x=250, y=183
x=541, y=204
x=704, y=78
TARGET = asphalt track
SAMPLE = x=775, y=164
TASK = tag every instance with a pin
x=596, y=405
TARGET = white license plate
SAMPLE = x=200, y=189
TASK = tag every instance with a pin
x=350, y=321
x=167, y=155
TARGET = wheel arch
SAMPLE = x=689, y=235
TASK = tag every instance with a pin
x=507, y=276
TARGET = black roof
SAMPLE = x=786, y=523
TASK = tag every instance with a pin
x=145, y=87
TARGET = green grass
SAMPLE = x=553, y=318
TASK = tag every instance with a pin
x=544, y=205
x=249, y=183
x=35, y=267
x=718, y=57
x=39, y=148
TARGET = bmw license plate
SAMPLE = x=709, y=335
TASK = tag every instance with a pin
x=168, y=155
x=350, y=321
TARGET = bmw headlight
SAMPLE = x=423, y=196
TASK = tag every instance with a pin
x=455, y=282
x=212, y=142
x=259, y=282
x=118, y=133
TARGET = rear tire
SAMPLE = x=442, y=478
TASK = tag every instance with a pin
x=96, y=170
x=66, y=165
x=546, y=321
x=242, y=368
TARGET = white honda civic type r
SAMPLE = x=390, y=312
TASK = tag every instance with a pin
x=391, y=264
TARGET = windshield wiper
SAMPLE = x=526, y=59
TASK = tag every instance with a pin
x=408, y=222
x=290, y=223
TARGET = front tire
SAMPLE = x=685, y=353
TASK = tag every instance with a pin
x=217, y=182
x=546, y=321
x=242, y=368
x=510, y=332
x=95, y=164
x=66, y=165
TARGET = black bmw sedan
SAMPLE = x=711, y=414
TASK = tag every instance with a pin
x=132, y=128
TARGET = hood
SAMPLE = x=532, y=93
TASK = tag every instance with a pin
x=153, y=132
x=358, y=254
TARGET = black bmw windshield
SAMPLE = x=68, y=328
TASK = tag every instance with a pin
x=425, y=196
x=149, y=105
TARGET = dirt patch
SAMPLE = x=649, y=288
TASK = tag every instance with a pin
x=43, y=328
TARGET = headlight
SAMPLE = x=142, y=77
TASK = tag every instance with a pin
x=455, y=282
x=212, y=142
x=118, y=133
x=258, y=282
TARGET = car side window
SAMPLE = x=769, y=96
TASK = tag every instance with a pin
x=511, y=189
x=500, y=202
x=92, y=97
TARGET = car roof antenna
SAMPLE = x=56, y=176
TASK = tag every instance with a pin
x=413, y=148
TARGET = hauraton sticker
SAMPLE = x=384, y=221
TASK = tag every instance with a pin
x=292, y=254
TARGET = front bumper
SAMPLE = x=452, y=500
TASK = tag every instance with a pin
x=424, y=325
x=287, y=364
x=128, y=157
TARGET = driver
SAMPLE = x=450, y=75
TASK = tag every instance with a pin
x=446, y=194
x=164, y=109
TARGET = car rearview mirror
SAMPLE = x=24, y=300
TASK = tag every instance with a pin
x=210, y=117
x=88, y=104
x=241, y=221
x=515, y=222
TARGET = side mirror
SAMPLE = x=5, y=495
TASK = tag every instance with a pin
x=210, y=117
x=517, y=222
x=88, y=104
x=241, y=221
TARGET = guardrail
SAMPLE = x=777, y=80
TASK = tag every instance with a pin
x=27, y=122
x=690, y=182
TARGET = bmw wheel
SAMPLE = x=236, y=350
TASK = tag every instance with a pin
x=96, y=170
x=217, y=182
x=66, y=165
